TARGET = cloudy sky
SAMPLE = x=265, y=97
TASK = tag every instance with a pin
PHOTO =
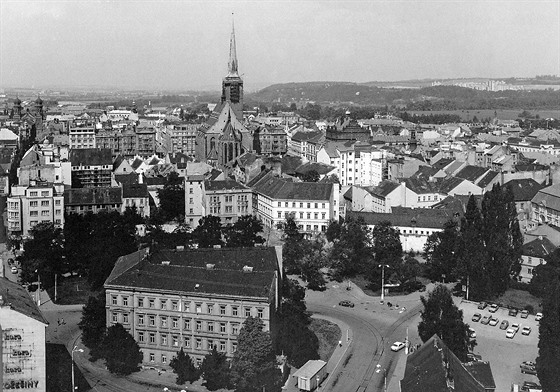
x=184, y=44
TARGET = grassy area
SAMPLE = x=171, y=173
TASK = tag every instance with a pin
x=328, y=334
x=364, y=285
x=519, y=299
x=467, y=115
x=71, y=291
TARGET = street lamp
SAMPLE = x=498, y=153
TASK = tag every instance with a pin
x=318, y=381
x=74, y=387
x=383, y=281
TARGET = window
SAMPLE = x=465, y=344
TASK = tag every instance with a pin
x=260, y=312
x=308, y=205
x=174, y=323
x=222, y=346
x=279, y=204
x=222, y=310
x=152, y=321
x=125, y=318
x=210, y=326
x=175, y=340
x=234, y=329
x=152, y=357
x=198, y=308
x=300, y=205
x=198, y=325
x=163, y=303
x=57, y=202
x=33, y=193
x=323, y=215
x=323, y=205
x=115, y=318
x=234, y=311
x=316, y=205
x=186, y=306
x=222, y=327
x=210, y=344
x=125, y=301
x=45, y=193
x=190, y=191
x=293, y=205
x=233, y=347
x=187, y=324
x=152, y=337
x=309, y=215
x=163, y=320
x=247, y=312
x=174, y=305
x=229, y=209
x=316, y=215
x=141, y=319
x=198, y=343
x=140, y=302
x=114, y=300
x=33, y=203
x=163, y=358
x=210, y=308
x=151, y=303
x=187, y=341
x=301, y=215
x=141, y=336
x=45, y=213
x=164, y=339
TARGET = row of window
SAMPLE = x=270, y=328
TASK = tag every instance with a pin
x=151, y=320
x=429, y=198
x=44, y=203
x=36, y=193
x=315, y=215
x=44, y=213
x=199, y=344
x=316, y=205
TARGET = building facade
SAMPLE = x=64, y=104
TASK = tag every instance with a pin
x=84, y=200
x=91, y=167
x=82, y=135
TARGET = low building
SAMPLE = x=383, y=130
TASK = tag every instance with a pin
x=23, y=335
x=534, y=253
x=84, y=200
x=192, y=299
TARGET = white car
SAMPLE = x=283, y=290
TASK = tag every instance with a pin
x=515, y=326
x=538, y=316
x=397, y=346
x=14, y=270
x=472, y=333
x=510, y=333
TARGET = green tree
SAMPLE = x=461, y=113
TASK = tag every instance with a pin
x=311, y=176
x=333, y=230
x=121, y=352
x=351, y=251
x=548, y=361
x=215, y=370
x=254, y=363
x=440, y=252
x=183, y=366
x=208, y=232
x=292, y=248
x=172, y=198
x=244, y=232
x=442, y=317
x=93, y=325
x=387, y=247
x=544, y=275
x=312, y=259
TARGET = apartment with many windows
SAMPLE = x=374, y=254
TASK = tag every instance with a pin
x=193, y=299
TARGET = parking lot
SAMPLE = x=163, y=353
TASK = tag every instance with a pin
x=505, y=355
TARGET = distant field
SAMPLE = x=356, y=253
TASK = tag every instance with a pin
x=467, y=115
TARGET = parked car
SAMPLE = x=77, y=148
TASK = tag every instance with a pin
x=512, y=312
x=538, y=316
x=510, y=333
x=526, y=331
x=528, y=369
x=504, y=324
x=524, y=313
x=472, y=333
x=482, y=305
x=485, y=320
x=476, y=317
x=493, y=321
x=493, y=308
x=397, y=346
x=348, y=304
x=529, y=363
x=527, y=385
x=472, y=357
x=515, y=326
x=14, y=270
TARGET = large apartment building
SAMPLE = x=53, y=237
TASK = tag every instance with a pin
x=192, y=299
x=82, y=135
x=91, y=167
x=183, y=138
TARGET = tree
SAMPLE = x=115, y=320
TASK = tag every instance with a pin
x=333, y=230
x=311, y=176
x=183, y=366
x=442, y=317
x=543, y=277
x=215, y=370
x=93, y=325
x=172, y=198
x=254, y=363
x=208, y=232
x=292, y=248
x=440, y=252
x=121, y=352
x=387, y=247
x=548, y=361
x=311, y=261
x=244, y=232
x=351, y=251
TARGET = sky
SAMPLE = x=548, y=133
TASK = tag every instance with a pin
x=184, y=44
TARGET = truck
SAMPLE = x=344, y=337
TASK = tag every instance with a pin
x=310, y=375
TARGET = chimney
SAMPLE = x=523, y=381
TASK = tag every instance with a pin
x=140, y=179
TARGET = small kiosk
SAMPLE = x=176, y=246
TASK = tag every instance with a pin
x=310, y=375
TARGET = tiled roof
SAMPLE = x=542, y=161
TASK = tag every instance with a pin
x=384, y=188
x=446, y=185
x=90, y=156
x=227, y=184
x=130, y=178
x=305, y=136
x=531, y=167
x=524, y=189
x=92, y=196
x=319, y=167
x=549, y=197
x=277, y=188
x=408, y=217
x=215, y=271
x=471, y=173
x=290, y=164
x=134, y=190
x=487, y=179
x=19, y=300
x=539, y=247
x=117, y=162
x=453, y=167
x=442, y=163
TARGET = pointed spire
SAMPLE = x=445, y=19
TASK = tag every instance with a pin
x=232, y=64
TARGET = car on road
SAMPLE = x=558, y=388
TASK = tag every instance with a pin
x=504, y=324
x=493, y=321
x=348, y=304
x=14, y=270
x=528, y=369
x=510, y=333
x=538, y=316
x=515, y=326
x=476, y=317
x=482, y=305
x=397, y=346
x=485, y=320
x=526, y=331
x=512, y=312
x=524, y=313
x=493, y=308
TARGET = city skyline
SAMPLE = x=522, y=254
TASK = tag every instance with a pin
x=184, y=45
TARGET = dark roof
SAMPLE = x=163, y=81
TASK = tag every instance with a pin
x=408, y=217
x=549, y=197
x=321, y=168
x=471, y=173
x=442, y=163
x=227, y=184
x=487, y=179
x=257, y=178
x=134, y=190
x=348, y=194
x=384, y=188
x=524, y=189
x=305, y=136
x=539, y=247
x=433, y=367
x=216, y=271
x=90, y=156
x=278, y=188
x=92, y=196
x=130, y=178
x=457, y=203
x=118, y=160
x=19, y=300
x=290, y=164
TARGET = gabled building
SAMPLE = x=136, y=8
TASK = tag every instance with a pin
x=533, y=254
x=84, y=200
x=192, y=299
x=91, y=167
x=524, y=191
x=306, y=144
x=136, y=196
x=545, y=205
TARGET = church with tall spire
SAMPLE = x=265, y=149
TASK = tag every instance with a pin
x=223, y=137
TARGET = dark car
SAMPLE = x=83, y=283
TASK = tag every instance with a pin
x=504, y=325
x=493, y=308
x=524, y=313
x=348, y=304
x=482, y=305
x=530, y=385
x=528, y=369
x=485, y=320
x=476, y=317
x=512, y=312
x=474, y=357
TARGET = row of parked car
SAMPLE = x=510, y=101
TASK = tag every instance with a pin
x=493, y=308
x=511, y=330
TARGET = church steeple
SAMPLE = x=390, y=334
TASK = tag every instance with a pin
x=232, y=64
x=232, y=85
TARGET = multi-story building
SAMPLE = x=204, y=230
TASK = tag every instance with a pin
x=35, y=203
x=23, y=339
x=91, y=167
x=270, y=140
x=136, y=195
x=523, y=192
x=82, y=134
x=84, y=200
x=183, y=138
x=312, y=204
x=226, y=199
x=192, y=299
x=306, y=144
x=545, y=206
x=146, y=144
x=533, y=254
x=120, y=142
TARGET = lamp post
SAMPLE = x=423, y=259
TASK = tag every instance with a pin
x=383, y=281
x=74, y=387
x=39, y=288
x=318, y=381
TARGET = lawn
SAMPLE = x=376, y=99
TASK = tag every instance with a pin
x=329, y=335
x=519, y=299
x=73, y=290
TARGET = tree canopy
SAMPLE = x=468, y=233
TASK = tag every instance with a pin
x=351, y=251
x=208, y=232
x=93, y=325
x=215, y=370
x=172, y=198
x=244, y=232
x=121, y=352
x=440, y=252
x=183, y=366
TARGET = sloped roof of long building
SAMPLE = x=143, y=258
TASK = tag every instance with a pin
x=20, y=300
x=549, y=197
x=278, y=188
x=409, y=217
x=524, y=189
